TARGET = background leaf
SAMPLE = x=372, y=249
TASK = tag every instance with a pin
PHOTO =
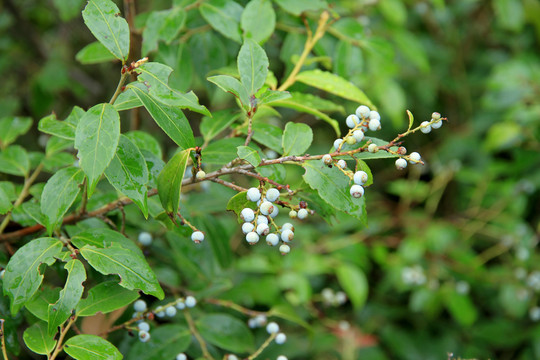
x=167, y=341
x=224, y=17
x=258, y=20
x=354, y=282
x=249, y=154
x=226, y=332
x=13, y=127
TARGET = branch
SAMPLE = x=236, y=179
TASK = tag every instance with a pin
x=198, y=336
x=2, y=337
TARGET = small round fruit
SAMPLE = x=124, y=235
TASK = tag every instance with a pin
x=357, y=191
x=272, y=328
x=197, y=237
x=252, y=323
x=200, y=175
x=351, y=140
x=145, y=238
x=374, y=124
x=374, y=115
x=181, y=356
x=372, y=148
x=160, y=313
x=402, y=150
x=261, y=219
x=266, y=208
x=352, y=120
x=144, y=336
x=253, y=194
x=272, y=194
x=362, y=111
x=180, y=305
x=302, y=214
x=284, y=249
x=140, y=306
x=247, y=227
x=436, y=116
x=360, y=177
x=170, y=311
x=263, y=229
x=282, y=357
x=252, y=238
x=401, y=164
x=358, y=135
x=340, y=298
x=272, y=239
x=326, y=159
x=287, y=235
x=414, y=157
x=436, y=124
x=337, y=143
x=247, y=215
x=287, y=226
x=293, y=214
x=143, y=326
x=281, y=338
x=232, y=357
x=191, y=301
x=275, y=212
x=342, y=164
x=425, y=127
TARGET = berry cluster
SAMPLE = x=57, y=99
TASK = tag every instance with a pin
x=359, y=122
x=332, y=298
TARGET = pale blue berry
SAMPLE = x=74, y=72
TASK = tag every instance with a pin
x=143, y=326
x=261, y=219
x=261, y=320
x=374, y=124
x=263, y=229
x=191, y=301
x=170, y=311
x=282, y=357
x=436, y=116
x=372, y=148
x=287, y=235
x=252, y=323
x=414, y=157
x=272, y=194
x=342, y=164
x=284, y=249
x=401, y=164
x=374, y=115
x=266, y=208
x=425, y=127
x=272, y=328
x=272, y=239
x=436, y=124
x=140, y=306
x=357, y=191
x=352, y=121
x=287, y=226
x=247, y=215
x=247, y=227
x=181, y=356
x=180, y=305
x=362, y=111
x=360, y=177
x=252, y=238
x=144, y=336
x=337, y=143
x=275, y=212
x=358, y=135
x=281, y=338
x=253, y=194
x=200, y=175
x=197, y=237
x=145, y=238
x=302, y=214
x=232, y=357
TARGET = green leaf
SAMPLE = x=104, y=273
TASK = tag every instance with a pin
x=103, y=238
x=317, y=103
x=231, y=85
x=296, y=139
x=60, y=311
x=128, y=174
x=145, y=141
x=96, y=138
x=58, y=195
x=39, y=304
x=13, y=127
x=68, y=9
x=510, y=14
x=56, y=161
x=334, y=84
x=22, y=277
x=354, y=282
x=167, y=341
x=56, y=144
x=91, y=347
x=394, y=11
x=298, y=103
x=127, y=100
x=169, y=182
x=296, y=7
x=221, y=120
x=411, y=119
x=226, y=332
x=156, y=77
x=461, y=308
x=270, y=96
x=5, y=203
x=105, y=298
x=33, y=210
x=94, y=53
x=258, y=20
x=103, y=20
x=14, y=160
x=268, y=135
x=412, y=49
x=249, y=154
x=224, y=17
x=162, y=25
x=287, y=312
x=38, y=340
x=170, y=119
x=252, y=66
x=134, y=271
x=361, y=165
x=333, y=187
x=222, y=151
x=238, y=202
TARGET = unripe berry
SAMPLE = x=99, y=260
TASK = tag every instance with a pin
x=263, y=229
x=372, y=148
x=261, y=219
x=288, y=226
x=425, y=127
x=362, y=111
x=272, y=194
x=143, y=326
x=293, y=214
x=352, y=121
x=140, y=306
x=170, y=311
x=374, y=124
x=281, y=338
x=414, y=157
x=181, y=356
x=287, y=235
x=302, y=214
x=252, y=238
x=191, y=301
x=272, y=328
x=253, y=194
x=266, y=208
x=351, y=140
x=275, y=212
x=401, y=164
x=342, y=164
x=358, y=135
x=360, y=177
x=144, y=336
x=247, y=215
x=200, y=175
x=272, y=239
x=145, y=238
x=197, y=237
x=284, y=249
x=337, y=143
x=247, y=227
x=402, y=150
x=436, y=124
x=357, y=191
x=326, y=159
x=436, y=116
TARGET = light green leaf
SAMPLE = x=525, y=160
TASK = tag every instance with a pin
x=22, y=277
x=68, y=9
x=296, y=7
x=239, y=202
x=156, y=77
x=224, y=17
x=296, y=139
x=169, y=182
x=167, y=341
x=334, y=84
x=258, y=20
x=354, y=282
x=54, y=162
x=394, y=11
x=5, y=203
x=104, y=298
x=231, y=85
x=268, y=135
x=317, y=103
x=362, y=166
x=128, y=174
x=38, y=340
x=145, y=141
x=58, y=195
x=226, y=332
x=299, y=105
x=91, y=347
x=96, y=138
x=63, y=129
x=270, y=96
x=103, y=20
x=461, y=308
x=94, y=53
x=14, y=160
x=13, y=127
x=103, y=238
x=127, y=100
x=221, y=120
x=252, y=66
x=70, y=295
x=134, y=271
x=249, y=154
x=411, y=119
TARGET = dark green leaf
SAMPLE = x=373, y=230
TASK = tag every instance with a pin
x=91, y=347
x=239, y=202
x=224, y=17
x=38, y=340
x=354, y=282
x=298, y=103
x=96, y=138
x=5, y=203
x=222, y=151
x=167, y=341
x=296, y=139
x=13, y=127
x=94, y=53
x=162, y=25
x=22, y=277
x=39, y=304
x=213, y=126
x=231, y=85
x=296, y=7
x=169, y=182
x=103, y=238
x=252, y=66
x=258, y=20
x=145, y=141
x=226, y=332
x=14, y=160
x=104, y=298
x=249, y=154
x=268, y=135
x=103, y=20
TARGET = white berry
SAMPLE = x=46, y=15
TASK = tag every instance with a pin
x=360, y=177
x=374, y=124
x=362, y=111
x=436, y=116
x=374, y=115
x=170, y=311
x=143, y=326
x=287, y=226
x=272, y=328
x=287, y=235
x=293, y=214
x=327, y=159
x=414, y=157
x=337, y=143
x=261, y=219
x=357, y=191
x=401, y=164
x=263, y=229
x=232, y=357
x=180, y=305
x=252, y=238
x=144, y=336
x=281, y=357
x=342, y=164
x=247, y=227
x=425, y=127
x=436, y=124
x=272, y=239
x=197, y=237
x=302, y=214
x=145, y=238
x=266, y=208
x=281, y=338
x=247, y=215
x=358, y=135
x=284, y=249
x=191, y=301
x=352, y=121
x=181, y=356
x=275, y=212
x=272, y=194
x=139, y=306
x=200, y=175
x=372, y=148
x=253, y=194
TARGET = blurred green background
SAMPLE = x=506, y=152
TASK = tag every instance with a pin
x=449, y=252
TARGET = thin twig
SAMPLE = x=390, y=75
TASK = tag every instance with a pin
x=228, y=184
x=63, y=333
x=234, y=306
x=3, y=338
x=84, y=201
x=198, y=336
x=263, y=346
x=120, y=87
